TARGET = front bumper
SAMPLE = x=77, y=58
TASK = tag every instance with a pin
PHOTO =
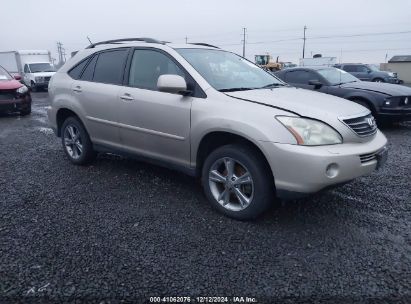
x=393, y=80
x=42, y=85
x=15, y=104
x=302, y=170
x=395, y=114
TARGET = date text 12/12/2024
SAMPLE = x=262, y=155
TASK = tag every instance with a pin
x=234, y=299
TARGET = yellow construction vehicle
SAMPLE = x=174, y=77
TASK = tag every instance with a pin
x=266, y=62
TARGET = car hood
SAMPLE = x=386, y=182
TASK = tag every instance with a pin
x=303, y=102
x=384, y=88
x=10, y=84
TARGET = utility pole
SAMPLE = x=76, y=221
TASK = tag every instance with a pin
x=305, y=28
x=186, y=39
x=59, y=51
x=62, y=53
x=244, y=31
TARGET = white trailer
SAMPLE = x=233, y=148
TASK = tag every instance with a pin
x=318, y=61
x=34, y=66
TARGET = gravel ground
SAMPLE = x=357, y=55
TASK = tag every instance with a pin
x=121, y=230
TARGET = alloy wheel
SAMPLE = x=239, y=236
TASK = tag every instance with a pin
x=231, y=184
x=73, y=142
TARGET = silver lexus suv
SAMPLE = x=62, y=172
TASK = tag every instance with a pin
x=212, y=114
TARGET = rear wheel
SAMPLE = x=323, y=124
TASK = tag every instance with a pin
x=238, y=182
x=76, y=142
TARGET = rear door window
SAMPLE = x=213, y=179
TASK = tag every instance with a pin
x=110, y=66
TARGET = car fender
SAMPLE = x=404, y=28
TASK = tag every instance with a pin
x=371, y=99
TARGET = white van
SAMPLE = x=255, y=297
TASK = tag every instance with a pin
x=34, y=66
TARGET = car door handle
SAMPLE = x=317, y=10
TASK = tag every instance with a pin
x=127, y=97
x=77, y=89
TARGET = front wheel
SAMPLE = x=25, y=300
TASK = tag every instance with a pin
x=26, y=111
x=76, y=142
x=33, y=87
x=238, y=182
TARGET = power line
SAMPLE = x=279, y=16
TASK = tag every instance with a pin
x=360, y=35
x=323, y=37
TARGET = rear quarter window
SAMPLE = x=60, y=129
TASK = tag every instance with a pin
x=75, y=72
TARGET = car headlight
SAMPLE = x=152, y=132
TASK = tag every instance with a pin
x=39, y=79
x=22, y=90
x=397, y=101
x=310, y=132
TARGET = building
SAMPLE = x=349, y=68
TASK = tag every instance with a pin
x=401, y=65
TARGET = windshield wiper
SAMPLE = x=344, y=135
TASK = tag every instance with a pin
x=272, y=85
x=235, y=89
x=345, y=82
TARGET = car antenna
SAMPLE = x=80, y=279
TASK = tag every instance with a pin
x=89, y=40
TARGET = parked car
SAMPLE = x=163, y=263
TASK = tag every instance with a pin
x=212, y=114
x=14, y=96
x=369, y=72
x=34, y=65
x=387, y=102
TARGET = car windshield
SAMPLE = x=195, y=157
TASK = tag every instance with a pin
x=4, y=75
x=373, y=67
x=41, y=67
x=337, y=76
x=226, y=71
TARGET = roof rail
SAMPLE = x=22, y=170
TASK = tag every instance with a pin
x=206, y=44
x=148, y=40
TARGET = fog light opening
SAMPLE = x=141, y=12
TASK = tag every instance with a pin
x=332, y=170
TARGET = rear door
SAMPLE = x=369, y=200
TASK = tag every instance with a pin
x=97, y=90
x=153, y=123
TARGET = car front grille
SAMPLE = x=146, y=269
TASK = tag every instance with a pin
x=362, y=126
x=7, y=94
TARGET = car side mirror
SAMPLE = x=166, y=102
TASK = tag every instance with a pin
x=174, y=84
x=17, y=77
x=368, y=71
x=316, y=83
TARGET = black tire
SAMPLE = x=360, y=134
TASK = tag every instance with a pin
x=263, y=182
x=26, y=111
x=33, y=87
x=378, y=80
x=87, y=154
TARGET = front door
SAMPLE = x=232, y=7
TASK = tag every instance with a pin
x=363, y=72
x=153, y=123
